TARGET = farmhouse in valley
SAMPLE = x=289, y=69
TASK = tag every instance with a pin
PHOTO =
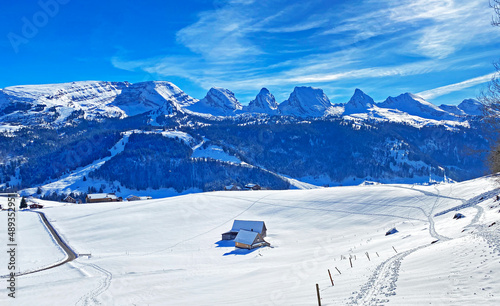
x=247, y=234
x=35, y=206
x=102, y=197
x=252, y=186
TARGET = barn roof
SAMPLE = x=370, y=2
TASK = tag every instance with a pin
x=256, y=226
x=246, y=237
x=102, y=196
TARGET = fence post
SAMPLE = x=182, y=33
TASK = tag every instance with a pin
x=317, y=292
x=338, y=270
x=350, y=261
x=330, y=277
x=367, y=256
x=394, y=249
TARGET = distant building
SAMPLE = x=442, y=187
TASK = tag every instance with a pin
x=35, y=206
x=232, y=187
x=252, y=186
x=102, y=197
x=252, y=226
x=69, y=199
x=136, y=198
x=249, y=240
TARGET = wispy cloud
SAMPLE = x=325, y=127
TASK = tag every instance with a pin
x=245, y=44
x=443, y=90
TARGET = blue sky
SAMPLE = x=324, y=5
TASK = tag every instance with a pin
x=440, y=49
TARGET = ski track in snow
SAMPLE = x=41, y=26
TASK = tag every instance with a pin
x=91, y=297
x=382, y=283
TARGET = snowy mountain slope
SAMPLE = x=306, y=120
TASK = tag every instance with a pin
x=306, y=102
x=217, y=102
x=471, y=107
x=468, y=107
x=264, y=102
x=310, y=231
x=414, y=105
x=58, y=104
x=55, y=103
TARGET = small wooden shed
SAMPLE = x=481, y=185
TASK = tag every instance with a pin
x=35, y=206
x=249, y=240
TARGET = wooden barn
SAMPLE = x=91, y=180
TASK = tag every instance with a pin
x=35, y=206
x=249, y=240
x=102, y=197
x=252, y=226
x=232, y=187
x=252, y=186
x=69, y=199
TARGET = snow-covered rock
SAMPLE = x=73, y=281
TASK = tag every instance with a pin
x=359, y=103
x=217, y=102
x=414, y=105
x=306, y=102
x=264, y=103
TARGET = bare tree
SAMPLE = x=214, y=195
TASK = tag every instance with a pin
x=490, y=98
x=495, y=5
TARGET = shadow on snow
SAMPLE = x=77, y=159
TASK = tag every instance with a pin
x=230, y=244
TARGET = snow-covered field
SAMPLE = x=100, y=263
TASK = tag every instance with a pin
x=168, y=251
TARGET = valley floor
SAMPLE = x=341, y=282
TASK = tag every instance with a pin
x=168, y=251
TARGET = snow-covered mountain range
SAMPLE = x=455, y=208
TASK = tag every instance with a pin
x=56, y=104
x=114, y=134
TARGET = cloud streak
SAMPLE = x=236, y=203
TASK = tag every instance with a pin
x=443, y=90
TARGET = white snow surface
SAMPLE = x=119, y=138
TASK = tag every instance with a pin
x=168, y=251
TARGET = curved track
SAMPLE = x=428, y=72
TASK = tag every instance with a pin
x=70, y=254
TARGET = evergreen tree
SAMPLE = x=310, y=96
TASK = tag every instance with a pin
x=23, y=203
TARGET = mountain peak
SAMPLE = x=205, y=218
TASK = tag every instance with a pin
x=471, y=107
x=264, y=102
x=359, y=102
x=306, y=101
x=218, y=102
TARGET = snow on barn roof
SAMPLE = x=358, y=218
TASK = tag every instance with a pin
x=256, y=226
x=246, y=237
x=102, y=196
